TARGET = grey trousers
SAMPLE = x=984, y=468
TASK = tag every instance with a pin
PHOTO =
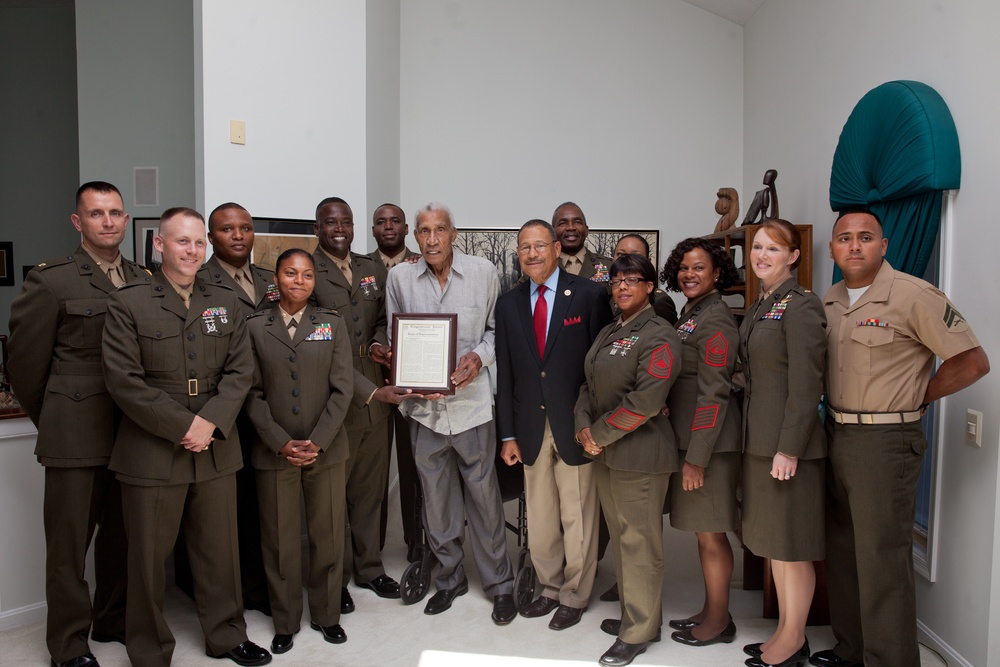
x=444, y=464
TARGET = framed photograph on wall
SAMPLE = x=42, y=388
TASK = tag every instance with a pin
x=143, y=231
x=500, y=247
x=273, y=236
x=7, y=263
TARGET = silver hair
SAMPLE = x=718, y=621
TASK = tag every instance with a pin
x=435, y=206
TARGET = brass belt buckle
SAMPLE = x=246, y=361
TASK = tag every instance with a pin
x=193, y=387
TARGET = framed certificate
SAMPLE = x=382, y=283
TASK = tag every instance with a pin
x=423, y=351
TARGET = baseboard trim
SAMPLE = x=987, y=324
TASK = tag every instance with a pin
x=928, y=638
x=28, y=615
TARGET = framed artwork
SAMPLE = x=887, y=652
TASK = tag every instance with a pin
x=273, y=236
x=500, y=247
x=143, y=231
x=7, y=263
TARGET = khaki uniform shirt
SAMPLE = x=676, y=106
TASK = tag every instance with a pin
x=881, y=350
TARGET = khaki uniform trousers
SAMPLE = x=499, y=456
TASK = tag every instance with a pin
x=562, y=511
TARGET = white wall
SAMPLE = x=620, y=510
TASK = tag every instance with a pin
x=806, y=66
x=295, y=73
x=632, y=108
x=382, y=109
x=135, y=61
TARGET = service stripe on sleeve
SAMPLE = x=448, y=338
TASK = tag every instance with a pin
x=705, y=417
x=623, y=420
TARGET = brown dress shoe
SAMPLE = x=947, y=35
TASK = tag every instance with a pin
x=566, y=617
x=540, y=606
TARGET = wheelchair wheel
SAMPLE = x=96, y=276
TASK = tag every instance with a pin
x=522, y=558
x=524, y=586
x=415, y=582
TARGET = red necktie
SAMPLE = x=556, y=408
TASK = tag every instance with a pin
x=540, y=316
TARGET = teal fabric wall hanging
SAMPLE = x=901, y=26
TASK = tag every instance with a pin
x=897, y=152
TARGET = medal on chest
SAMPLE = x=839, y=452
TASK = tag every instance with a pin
x=368, y=285
x=321, y=332
x=272, y=293
x=686, y=329
x=777, y=309
x=601, y=274
x=623, y=345
x=208, y=318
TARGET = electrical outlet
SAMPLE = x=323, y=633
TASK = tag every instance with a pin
x=974, y=427
x=237, y=132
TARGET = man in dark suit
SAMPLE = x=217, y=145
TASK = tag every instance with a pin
x=571, y=229
x=230, y=231
x=350, y=284
x=390, y=230
x=55, y=368
x=178, y=363
x=545, y=325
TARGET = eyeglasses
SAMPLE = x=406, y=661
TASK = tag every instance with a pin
x=538, y=247
x=631, y=281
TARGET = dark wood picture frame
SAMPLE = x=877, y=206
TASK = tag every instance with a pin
x=399, y=350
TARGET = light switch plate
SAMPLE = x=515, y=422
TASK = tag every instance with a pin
x=974, y=427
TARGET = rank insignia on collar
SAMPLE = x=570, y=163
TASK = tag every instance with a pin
x=623, y=345
x=321, y=332
x=601, y=274
x=272, y=293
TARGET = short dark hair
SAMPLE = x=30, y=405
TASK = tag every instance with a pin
x=402, y=213
x=536, y=222
x=634, y=264
x=858, y=209
x=330, y=200
x=642, y=239
x=181, y=210
x=225, y=207
x=97, y=186
x=291, y=252
x=568, y=203
x=721, y=260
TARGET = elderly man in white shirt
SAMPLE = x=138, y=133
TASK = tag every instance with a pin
x=454, y=438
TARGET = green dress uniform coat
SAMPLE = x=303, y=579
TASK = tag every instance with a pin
x=302, y=390
x=263, y=284
x=629, y=373
x=705, y=417
x=782, y=350
x=56, y=325
x=362, y=304
x=165, y=363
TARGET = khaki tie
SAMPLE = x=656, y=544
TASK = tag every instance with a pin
x=186, y=298
x=292, y=325
x=115, y=276
x=345, y=268
x=573, y=265
x=244, y=281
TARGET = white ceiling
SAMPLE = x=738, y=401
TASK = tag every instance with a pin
x=737, y=11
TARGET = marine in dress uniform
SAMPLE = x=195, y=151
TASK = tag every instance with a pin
x=545, y=326
x=349, y=283
x=303, y=387
x=56, y=325
x=178, y=363
x=885, y=328
x=629, y=372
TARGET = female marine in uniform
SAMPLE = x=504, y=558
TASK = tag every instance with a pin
x=303, y=385
x=707, y=426
x=628, y=373
x=782, y=350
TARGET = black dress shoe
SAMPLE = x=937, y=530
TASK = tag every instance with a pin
x=85, y=660
x=753, y=650
x=504, y=609
x=828, y=658
x=621, y=654
x=685, y=637
x=331, y=633
x=384, y=587
x=441, y=601
x=611, y=595
x=613, y=626
x=108, y=638
x=346, y=601
x=797, y=659
x=540, y=606
x=566, y=617
x=281, y=644
x=682, y=623
x=247, y=653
